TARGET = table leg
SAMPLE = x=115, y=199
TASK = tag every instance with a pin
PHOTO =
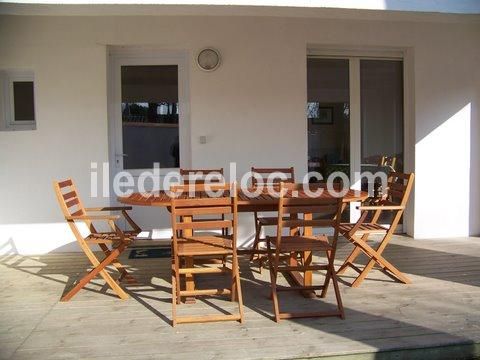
x=189, y=263
x=306, y=279
x=189, y=280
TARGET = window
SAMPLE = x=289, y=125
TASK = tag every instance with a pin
x=17, y=100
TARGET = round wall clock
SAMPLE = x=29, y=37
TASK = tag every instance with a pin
x=208, y=59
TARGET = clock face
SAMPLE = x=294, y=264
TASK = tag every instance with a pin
x=208, y=59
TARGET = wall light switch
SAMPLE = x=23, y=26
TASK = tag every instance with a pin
x=203, y=139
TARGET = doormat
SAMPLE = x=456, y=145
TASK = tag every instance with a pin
x=150, y=253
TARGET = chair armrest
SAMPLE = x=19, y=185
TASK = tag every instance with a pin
x=109, y=208
x=380, y=207
x=93, y=217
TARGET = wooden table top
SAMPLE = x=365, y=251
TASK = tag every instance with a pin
x=162, y=199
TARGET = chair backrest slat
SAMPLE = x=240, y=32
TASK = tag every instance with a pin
x=205, y=225
x=199, y=176
x=69, y=195
x=68, y=199
x=70, y=203
x=325, y=211
x=312, y=223
x=210, y=210
x=315, y=208
x=288, y=175
x=200, y=199
x=399, y=186
x=65, y=183
x=78, y=213
x=183, y=206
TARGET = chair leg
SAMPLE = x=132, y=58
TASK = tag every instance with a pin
x=349, y=260
x=392, y=269
x=331, y=275
x=337, y=292
x=177, y=279
x=236, y=286
x=328, y=274
x=273, y=281
x=233, y=287
x=377, y=258
x=261, y=259
x=256, y=246
x=174, y=295
x=99, y=269
x=359, y=279
x=258, y=229
x=224, y=233
x=121, y=269
x=189, y=278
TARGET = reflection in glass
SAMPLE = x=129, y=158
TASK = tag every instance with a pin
x=23, y=101
x=150, y=116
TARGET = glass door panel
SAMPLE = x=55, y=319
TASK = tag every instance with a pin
x=381, y=99
x=328, y=116
x=150, y=119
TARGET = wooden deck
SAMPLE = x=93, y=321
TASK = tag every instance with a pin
x=437, y=316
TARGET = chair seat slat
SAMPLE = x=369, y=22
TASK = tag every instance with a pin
x=303, y=223
x=314, y=209
x=218, y=210
x=203, y=201
x=205, y=225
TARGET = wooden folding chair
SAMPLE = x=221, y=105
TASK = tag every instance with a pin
x=398, y=190
x=190, y=217
x=288, y=175
x=327, y=212
x=74, y=211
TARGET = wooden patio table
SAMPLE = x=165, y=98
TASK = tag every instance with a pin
x=262, y=202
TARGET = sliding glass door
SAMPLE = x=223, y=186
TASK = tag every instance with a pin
x=354, y=118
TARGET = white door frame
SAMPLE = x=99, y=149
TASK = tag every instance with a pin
x=354, y=54
x=118, y=56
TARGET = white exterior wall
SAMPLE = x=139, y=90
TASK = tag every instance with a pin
x=251, y=109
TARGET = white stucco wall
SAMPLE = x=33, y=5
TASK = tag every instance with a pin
x=251, y=108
